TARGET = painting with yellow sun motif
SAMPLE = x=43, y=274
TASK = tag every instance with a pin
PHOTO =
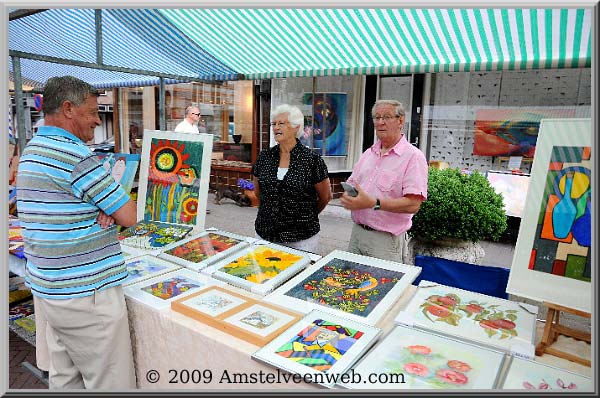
x=259, y=268
x=174, y=177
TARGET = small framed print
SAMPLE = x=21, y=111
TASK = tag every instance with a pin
x=523, y=374
x=259, y=323
x=153, y=235
x=318, y=346
x=209, y=304
x=198, y=251
x=146, y=267
x=158, y=292
x=259, y=268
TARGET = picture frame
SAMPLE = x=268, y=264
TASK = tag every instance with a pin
x=259, y=268
x=152, y=236
x=317, y=345
x=174, y=177
x=472, y=317
x=159, y=291
x=145, y=267
x=416, y=359
x=552, y=260
x=199, y=250
x=240, y=316
x=374, y=286
x=523, y=374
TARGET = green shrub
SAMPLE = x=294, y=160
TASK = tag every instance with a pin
x=459, y=206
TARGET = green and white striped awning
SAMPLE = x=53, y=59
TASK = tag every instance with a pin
x=268, y=43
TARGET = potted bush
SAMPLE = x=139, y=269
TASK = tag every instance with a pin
x=461, y=209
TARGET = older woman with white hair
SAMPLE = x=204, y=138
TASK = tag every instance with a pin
x=292, y=184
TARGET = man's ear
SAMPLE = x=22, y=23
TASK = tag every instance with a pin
x=68, y=109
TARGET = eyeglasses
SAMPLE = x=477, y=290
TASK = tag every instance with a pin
x=278, y=124
x=385, y=118
x=197, y=114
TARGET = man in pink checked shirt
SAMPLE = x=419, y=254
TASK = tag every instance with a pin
x=391, y=180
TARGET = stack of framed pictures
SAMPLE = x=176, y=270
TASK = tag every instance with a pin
x=259, y=268
x=349, y=285
x=152, y=236
x=146, y=267
x=238, y=315
x=198, y=251
x=319, y=347
x=413, y=359
x=159, y=291
x=472, y=317
x=523, y=374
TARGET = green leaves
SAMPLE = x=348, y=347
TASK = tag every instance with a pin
x=459, y=206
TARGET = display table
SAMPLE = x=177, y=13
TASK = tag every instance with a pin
x=165, y=340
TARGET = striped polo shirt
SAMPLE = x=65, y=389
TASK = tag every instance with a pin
x=61, y=188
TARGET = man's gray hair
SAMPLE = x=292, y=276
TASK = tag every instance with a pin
x=397, y=104
x=65, y=88
x=295, y=116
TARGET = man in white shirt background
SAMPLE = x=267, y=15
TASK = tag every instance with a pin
x=190, y=123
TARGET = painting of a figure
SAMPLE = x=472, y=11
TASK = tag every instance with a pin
x=325, y=129
x=123, y=168
x=511, y=131
x=562, y=244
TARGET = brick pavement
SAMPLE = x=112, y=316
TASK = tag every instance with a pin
x=19, y=352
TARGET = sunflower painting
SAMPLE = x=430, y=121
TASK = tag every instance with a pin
x=174, y=183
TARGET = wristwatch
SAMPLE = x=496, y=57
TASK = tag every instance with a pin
x=377, y=205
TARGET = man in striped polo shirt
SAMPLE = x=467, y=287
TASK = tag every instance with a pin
x=68, y=205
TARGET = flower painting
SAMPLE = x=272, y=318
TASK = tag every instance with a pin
x=153, y=235
x=346, y=285
x=320, y=345
x=531, y=375
x=429, y=361
x=260, y=265
x=203, y=247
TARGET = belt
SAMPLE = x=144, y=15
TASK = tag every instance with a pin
x=366, y=227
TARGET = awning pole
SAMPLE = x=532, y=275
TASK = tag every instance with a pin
x=161, y=105
x=18, y=81
x=99, y=55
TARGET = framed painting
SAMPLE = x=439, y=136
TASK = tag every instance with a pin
x=259, y=268
x=349, y=285
x=513, y=188
x=511, y=131
x=523, y=374
x=146, y=267
x=552, y=260
x=159, y=291
x=318, y=346
x=152, y=235
x=198, y=251
x=259, y=323
x=123, y=167
x=174, y=177
x=207, y=305
x=415, y=359
x=472, y=317
x=325, y=127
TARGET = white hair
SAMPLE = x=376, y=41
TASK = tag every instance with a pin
x=295, y=116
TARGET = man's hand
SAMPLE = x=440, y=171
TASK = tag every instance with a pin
x=362, y=201
x=104, y=220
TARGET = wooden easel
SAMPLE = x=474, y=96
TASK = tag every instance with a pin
x=553, y=328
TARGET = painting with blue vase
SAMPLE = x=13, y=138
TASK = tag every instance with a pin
x=325, y=129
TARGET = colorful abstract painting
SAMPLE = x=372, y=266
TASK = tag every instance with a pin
x=347, y=286
x=530, y=375
x=203, y=247
x=511, y=131
x=421, y=360
x=552, y=259
x=325, y=129
x=472, y=316
x=152, y=235
x=174, y=177
x=562, y=244
x=20, y=310
x=357, y=287
x=170, y=288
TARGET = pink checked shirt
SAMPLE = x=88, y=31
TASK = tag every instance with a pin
x=402, y=170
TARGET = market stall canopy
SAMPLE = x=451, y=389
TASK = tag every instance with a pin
x=229, y=44
x=267, y=43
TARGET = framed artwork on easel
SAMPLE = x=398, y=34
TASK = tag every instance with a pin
x=174, y=176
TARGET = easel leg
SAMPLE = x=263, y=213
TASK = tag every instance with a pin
x=539, y=350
